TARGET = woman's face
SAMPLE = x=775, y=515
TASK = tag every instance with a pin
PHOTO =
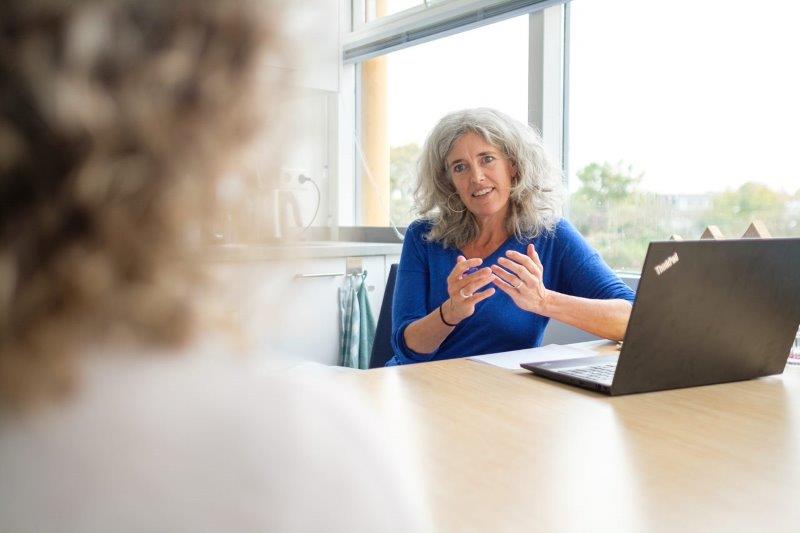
x=482, y=175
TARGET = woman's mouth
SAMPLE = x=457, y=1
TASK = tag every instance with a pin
x=482, y=192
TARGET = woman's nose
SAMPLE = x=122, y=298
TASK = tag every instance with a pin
x=477, y=174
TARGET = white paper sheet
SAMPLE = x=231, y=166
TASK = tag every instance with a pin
x=551, y=352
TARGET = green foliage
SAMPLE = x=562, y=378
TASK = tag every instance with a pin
x=619, y=220
x=733, y=209
x=607, y=182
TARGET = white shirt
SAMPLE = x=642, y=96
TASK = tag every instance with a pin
x=185, y=443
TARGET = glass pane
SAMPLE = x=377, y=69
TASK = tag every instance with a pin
x=485, y=67
x=683, y=114
x=380, y=8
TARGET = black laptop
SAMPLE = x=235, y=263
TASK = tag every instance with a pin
x=705, y=312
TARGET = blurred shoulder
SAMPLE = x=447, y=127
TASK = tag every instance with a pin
x=206, y=443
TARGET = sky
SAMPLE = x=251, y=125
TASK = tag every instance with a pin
x=483, y=67
x=699, y=96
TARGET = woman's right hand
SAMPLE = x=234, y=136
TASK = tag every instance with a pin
x=463, y=289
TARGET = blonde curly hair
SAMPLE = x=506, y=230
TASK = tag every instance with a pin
x=115, y=120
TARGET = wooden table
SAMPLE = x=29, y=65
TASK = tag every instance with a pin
x=501, y=450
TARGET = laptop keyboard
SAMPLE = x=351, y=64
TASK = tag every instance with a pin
x=603, y=373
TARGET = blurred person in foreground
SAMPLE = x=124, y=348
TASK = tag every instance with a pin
x=120, y=408
x=491, y=260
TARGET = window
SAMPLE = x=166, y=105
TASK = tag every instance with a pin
x=425, y=61
x=487, y=66
x=682, y=114
x=374, y=9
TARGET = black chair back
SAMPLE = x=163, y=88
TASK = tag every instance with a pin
x=382, y=346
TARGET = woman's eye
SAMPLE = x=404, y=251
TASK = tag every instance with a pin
x=459, y=168
x=488, y=158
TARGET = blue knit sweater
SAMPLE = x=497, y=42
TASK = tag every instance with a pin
x=571, y=267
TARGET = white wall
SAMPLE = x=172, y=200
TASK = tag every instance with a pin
x=311, y=130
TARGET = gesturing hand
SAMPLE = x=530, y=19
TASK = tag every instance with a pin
x=522, y=278
x=462, y=289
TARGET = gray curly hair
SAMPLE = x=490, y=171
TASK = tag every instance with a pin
x=536, y=194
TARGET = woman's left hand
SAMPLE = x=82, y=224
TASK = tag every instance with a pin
x=522, y=278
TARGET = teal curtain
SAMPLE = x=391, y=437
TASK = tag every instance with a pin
x=357, y=331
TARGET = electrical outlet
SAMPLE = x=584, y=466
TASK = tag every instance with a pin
x=290, y=177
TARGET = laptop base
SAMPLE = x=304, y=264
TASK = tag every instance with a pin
x=554, y=370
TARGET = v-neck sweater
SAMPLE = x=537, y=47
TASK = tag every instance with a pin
x=571, y=266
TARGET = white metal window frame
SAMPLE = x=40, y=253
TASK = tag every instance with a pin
x=359, y=14
x=547, y=72
x=424, y=23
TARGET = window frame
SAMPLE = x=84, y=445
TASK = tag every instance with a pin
x=547, y=103
x=428, y=22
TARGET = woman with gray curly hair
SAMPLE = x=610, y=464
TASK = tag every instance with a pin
x=488, y=194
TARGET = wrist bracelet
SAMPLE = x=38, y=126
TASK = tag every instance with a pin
x=441, y=315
